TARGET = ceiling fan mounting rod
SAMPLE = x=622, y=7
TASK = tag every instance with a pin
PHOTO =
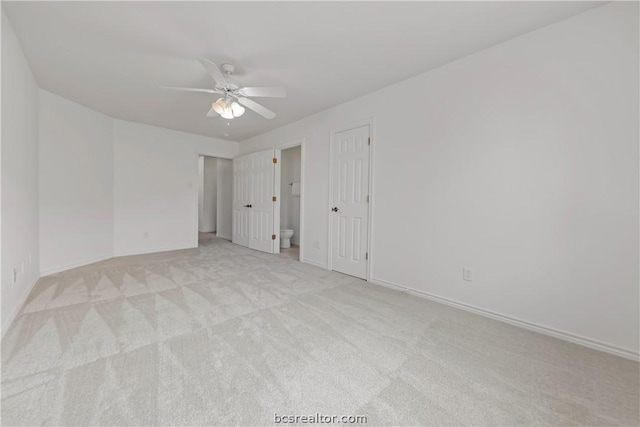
x=228, y=69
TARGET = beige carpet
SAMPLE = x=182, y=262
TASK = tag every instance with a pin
x=224, y=335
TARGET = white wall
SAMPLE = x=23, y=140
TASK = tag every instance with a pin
x=76, y=184
x=19, y=188
x=521, y=162
x=208, y=181
x=156, y=186
x=290, y=205
x=61, y=204
x=224, y=203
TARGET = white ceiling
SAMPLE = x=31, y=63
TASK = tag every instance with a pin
x=113, y=56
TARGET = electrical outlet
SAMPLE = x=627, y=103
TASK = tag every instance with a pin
x=467, y=274
x=317, y=244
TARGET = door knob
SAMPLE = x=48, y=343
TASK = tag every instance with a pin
x=335, y=209
x=247, y=206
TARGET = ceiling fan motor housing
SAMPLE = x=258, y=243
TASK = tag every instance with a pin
x=231, y=84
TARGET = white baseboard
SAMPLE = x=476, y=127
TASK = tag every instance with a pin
x=565, y=336
x=109, y=256
x=18, y=307
x=223, y=237
x=152, y=251
x=75, y=265
x=316, y=263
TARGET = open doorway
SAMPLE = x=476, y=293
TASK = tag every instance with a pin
x=290, y=196
x=215, y=198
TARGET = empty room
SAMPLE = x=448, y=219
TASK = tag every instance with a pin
x=320, y=213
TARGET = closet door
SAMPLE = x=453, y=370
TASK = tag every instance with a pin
x=256, y=204
x=350, y=198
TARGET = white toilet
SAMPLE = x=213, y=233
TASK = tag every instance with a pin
x=285, y=238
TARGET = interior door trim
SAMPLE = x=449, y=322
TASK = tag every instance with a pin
x=332, y=138
x=298, y=143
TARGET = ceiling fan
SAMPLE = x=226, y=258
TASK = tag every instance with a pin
x=234, y=97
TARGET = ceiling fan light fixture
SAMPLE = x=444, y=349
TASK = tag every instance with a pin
x=227, y=114
x=219, y=106
x=237, y=109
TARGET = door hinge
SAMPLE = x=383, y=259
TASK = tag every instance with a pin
x=274, y=198
x=273, y=237
x=366, y=256
x=367, y=198
x=369, y=142
x=275, y=160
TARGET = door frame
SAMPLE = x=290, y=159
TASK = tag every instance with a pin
x=332, y=138
x=295, y=143
x=276, y=206
x=197, y=184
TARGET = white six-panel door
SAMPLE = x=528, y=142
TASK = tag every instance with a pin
x=254, y=210
x=262, y=204
x=350, y=201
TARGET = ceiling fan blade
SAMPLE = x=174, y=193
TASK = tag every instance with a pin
x=252, y=105
x=268, y=92
x=211, y=113
x=214, y=71
x=189, y=89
